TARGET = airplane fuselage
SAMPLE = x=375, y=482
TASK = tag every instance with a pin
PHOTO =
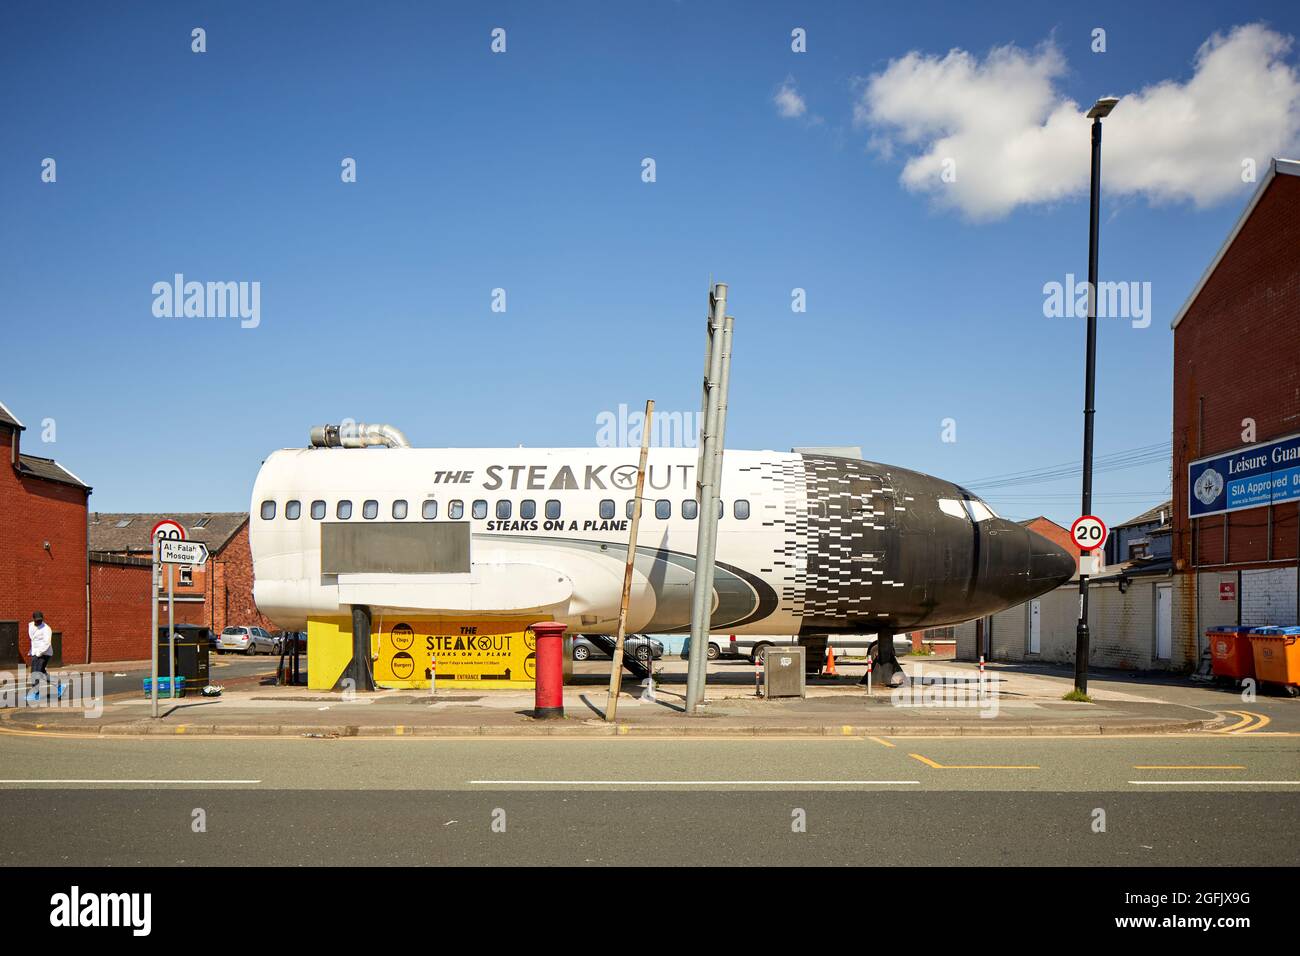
x=807, y=544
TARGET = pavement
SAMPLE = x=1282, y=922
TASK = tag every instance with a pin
x=944, y=700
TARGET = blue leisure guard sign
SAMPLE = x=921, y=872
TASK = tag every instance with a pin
x=1251, y=477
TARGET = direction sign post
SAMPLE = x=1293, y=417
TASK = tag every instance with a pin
x=182, y=552
x=171, y=632
x=167, y=540
x=173, y=552
x=153, y=628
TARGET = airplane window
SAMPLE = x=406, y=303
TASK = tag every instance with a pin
x=663, y=509
x=293, y=510
x=722, y=509
x=317, y=510
x=528, y=508
x=268, y=510
x=979, y=511
x=429, y=510
x=456, y=510
x=951, y=506
x=480, y=508
x=552, y=509
x=606, y=508
x=344, y=510
x=399, y=509
x=631, y=503
x=370, y=509
x=690, y=509
x=503, y=509
x=740, y=508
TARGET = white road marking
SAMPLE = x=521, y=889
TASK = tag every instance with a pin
x=1219, y=783
x=703, y=783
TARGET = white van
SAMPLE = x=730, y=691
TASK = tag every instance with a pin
x=754, y=646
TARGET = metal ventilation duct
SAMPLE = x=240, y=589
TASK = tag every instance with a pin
x=355, y=435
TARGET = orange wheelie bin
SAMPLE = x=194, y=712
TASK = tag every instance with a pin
x=1232, y=657
x=1277, y=656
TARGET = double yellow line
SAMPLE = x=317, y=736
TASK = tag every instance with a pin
x=1247, y=722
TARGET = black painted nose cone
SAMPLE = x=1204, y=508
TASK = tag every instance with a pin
x=1049, y=563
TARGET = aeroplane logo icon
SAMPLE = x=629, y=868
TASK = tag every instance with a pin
x=624, y=476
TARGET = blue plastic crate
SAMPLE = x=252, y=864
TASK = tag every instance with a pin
x=164, y=686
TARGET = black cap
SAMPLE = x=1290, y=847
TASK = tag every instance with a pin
x=37, y=616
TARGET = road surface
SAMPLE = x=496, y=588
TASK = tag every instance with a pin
x=1205, y=799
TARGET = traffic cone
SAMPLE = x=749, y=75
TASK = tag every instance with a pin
x=830, y=661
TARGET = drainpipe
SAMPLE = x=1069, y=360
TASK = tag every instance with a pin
x=88, y=619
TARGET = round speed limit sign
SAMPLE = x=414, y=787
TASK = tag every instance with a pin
x=167, y=528
x=1088, y=532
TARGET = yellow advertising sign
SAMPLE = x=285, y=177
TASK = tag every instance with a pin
x=484, y=653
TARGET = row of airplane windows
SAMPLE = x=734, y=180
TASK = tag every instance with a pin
x=663, y=509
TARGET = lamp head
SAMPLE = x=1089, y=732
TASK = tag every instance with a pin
x=1101, y=109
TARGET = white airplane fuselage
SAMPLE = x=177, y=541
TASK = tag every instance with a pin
x=806, y=544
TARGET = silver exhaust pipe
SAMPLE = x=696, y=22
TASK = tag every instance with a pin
x=354, y=435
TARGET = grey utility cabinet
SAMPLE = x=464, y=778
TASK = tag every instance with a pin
x=783, y=674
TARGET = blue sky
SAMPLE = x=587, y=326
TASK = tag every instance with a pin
x=523, y=171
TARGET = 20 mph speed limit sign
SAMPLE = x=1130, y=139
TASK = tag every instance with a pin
x=1088, y=532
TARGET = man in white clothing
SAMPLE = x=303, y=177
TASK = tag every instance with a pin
x=42, y=639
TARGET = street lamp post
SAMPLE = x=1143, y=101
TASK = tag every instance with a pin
x=1100, y=110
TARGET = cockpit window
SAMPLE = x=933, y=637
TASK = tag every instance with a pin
x=979, y=511
x=953, y=507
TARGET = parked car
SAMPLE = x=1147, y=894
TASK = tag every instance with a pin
x=284, y=641
x=755, y=646
x=246, y=640
x=637, y=645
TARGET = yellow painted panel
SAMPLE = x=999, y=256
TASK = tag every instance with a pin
x=484, y=654
x=329, y=651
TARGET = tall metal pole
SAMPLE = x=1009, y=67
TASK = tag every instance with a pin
x=171, y=632
x=616, y=673
x=1090, y=383
x=724, y=381
x=702, y=589
x=153, y=628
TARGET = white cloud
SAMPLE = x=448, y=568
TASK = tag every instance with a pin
x=1014, y=140
x=789, y=104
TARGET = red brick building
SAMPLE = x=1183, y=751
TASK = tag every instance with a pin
x=1237, y=384
x=43, y=564
x=119, y=596
x=216, y=595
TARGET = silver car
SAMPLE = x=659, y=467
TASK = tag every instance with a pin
x=246, y=640
x=755, y=647
x=598, y=645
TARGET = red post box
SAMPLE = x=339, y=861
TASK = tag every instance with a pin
x=548, y=701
